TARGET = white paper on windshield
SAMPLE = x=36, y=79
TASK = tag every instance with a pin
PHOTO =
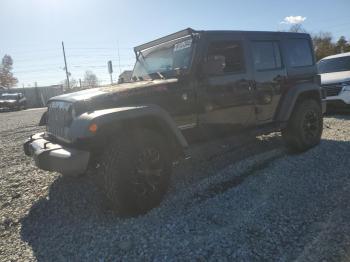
x=183, y=45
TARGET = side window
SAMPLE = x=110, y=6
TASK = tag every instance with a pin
x=299, y=52
x=266, y=55
x=226, y=57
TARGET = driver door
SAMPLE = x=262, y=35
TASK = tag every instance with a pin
x=227, y=82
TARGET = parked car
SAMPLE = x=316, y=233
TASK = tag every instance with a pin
x=133, y=132
x=13, y=101
x=335, y=78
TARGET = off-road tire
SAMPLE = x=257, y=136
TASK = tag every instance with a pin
x=118, y=172
x=305, y=126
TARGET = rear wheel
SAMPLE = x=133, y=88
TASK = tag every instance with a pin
x=305, y=126
x=135, y=171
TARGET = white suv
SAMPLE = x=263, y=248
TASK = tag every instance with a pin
x=335, y=78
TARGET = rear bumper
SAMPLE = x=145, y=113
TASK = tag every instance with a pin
x=54, y=157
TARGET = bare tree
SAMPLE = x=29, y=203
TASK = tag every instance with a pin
x=90, y=80
x=72, y=83
x=297, y=28
x=6, y=76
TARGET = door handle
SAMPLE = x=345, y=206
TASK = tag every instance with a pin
x=247, y=84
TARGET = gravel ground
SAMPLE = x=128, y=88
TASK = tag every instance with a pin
x=238, y=198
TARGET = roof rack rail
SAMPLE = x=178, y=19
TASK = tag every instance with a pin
x=164, y=39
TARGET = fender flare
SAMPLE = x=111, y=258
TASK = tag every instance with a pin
x=115, y=117
x=289, y=100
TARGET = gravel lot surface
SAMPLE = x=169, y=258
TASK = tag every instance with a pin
x=237, y=199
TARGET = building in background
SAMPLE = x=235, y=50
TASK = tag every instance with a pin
x=125, y=77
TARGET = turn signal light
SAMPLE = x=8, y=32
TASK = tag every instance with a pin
x=93, y=128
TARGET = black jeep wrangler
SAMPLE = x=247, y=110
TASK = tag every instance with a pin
x=133, y=132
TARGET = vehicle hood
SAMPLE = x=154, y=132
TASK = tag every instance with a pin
x=120, y=90
x=335, y=77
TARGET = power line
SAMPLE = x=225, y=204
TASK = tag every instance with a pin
x=100, y=48
x=60, y=68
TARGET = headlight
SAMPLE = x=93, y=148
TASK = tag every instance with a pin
x=346, y=88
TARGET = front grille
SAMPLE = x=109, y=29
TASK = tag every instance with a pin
x=333, y=89
x=59, y=118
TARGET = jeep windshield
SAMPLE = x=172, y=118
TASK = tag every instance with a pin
x=334, y=65
x=164, y=60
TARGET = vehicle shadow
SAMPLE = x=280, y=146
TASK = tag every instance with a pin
x=75, y=206
x=72, y=205
x=342, y=115
x=72, y=222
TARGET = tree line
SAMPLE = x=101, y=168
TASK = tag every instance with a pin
x=90, y=80
x=324, y=45
x=323, y=42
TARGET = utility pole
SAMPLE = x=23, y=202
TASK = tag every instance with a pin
x=65, y=65
x=120, y=71
x=80, y=83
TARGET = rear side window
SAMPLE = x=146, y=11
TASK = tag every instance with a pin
x=299, y=52
x=227, y=56
x=266, y=55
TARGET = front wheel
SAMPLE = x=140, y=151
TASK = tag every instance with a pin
x=305, y=126
x=135, y=171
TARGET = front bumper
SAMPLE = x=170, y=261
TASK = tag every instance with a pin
x=8, y=106
x=343, y=96
x=54, y=157
x=339, y=102
x=337, y=105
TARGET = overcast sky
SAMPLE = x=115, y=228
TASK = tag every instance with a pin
x=92, y=30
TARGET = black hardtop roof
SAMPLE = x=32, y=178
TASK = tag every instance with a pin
x=189, y=31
